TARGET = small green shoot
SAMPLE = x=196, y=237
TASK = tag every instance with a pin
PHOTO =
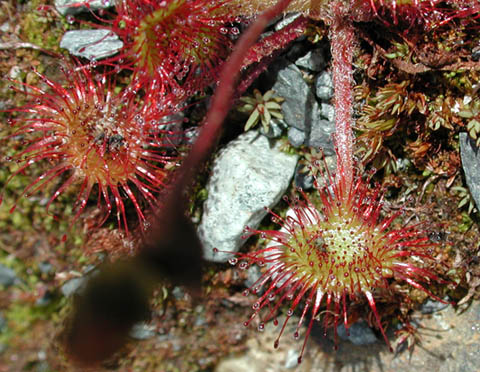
x=261, y=108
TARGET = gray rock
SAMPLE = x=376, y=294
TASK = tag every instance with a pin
x=253, y=274
x=470, y=160
x=324, y=86
x=45, y=300
x=321, y=136
x=142, y=331
x=191, y=135
x=314, y=60
x=449, y=343
x=172, y=125
x=166, y=122
x=5, y=27
x=296, y=51
x=476, y=53
x=296, y=137
x=65, y=7
x=403, y=164
x=7, y=276
x=178, y=293
x=78, y=284
x=91, y=269
x=431, y=306
x=303, y=178
x=45, y=267
x=275, y=128
x=91, y=44
x=15, y=72
x=249, y=174
x=327, y=111
x=200, y=319
x=360, y=333
x=71, y=286
x=300, y=107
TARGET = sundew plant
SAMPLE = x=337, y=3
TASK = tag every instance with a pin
x=97, y=138
x=327, y=255
x=335, y=246
x=182, y=44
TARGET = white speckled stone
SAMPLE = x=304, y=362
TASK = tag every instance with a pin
x=249, y=174
x=91, y=44
x=66, y=7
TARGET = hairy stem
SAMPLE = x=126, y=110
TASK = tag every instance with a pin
x=342, y=38
x=172, y=205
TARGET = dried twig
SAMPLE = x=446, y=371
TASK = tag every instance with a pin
x=13, y=45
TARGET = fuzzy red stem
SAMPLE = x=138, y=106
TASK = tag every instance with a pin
x=342, y=37
x=223, y=96
x=171, y=212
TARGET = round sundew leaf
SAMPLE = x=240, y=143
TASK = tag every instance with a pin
x=336, y=252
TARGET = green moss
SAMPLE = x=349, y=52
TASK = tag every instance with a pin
x=466, y=223
x=22, y=314
x=41, y=29
x=20, y=318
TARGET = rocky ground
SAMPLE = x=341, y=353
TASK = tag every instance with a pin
x=450, y=342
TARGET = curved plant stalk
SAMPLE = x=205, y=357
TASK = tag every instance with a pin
x=310, y=8
x=118, y=296
x=342, y=39
x=223, y=95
